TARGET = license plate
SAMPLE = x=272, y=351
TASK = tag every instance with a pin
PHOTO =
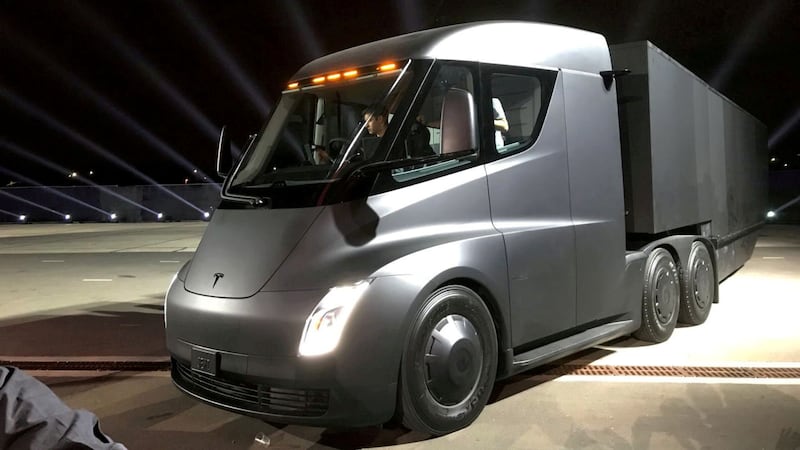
x=205, y=361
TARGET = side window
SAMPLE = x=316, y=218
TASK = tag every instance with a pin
x=441, y=125
x=518, y=102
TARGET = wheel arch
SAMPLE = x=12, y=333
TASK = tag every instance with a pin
x=493, y=303
x=407, y=410
x=499, y=319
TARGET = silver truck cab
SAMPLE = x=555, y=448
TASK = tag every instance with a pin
x=347, y=278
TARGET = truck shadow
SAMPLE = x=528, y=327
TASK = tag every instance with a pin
x=109, y=329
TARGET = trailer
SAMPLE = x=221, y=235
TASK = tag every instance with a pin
x=691, y=157
x=426, y=214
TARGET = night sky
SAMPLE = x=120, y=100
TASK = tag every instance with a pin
x=94, y=85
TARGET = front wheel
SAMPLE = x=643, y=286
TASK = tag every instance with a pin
x=660, y=298
x=449, y=362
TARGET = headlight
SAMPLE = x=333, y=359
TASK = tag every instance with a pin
x=169, y=288
x=325, y=324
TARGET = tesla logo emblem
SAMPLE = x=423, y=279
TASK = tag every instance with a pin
x=217, y=277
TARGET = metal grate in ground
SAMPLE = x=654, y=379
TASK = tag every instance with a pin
x=114, y=366
x=674, y=371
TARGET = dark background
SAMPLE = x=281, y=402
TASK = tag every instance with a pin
x=97, y=85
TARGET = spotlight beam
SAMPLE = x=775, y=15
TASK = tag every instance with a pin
x=788, y=125
x=51, y=190
x=134, y=57
x=410, y=14
x=787, y=204
x=87, y=143
x=9, y=213
x=744, y=43
x=55, y=167
x=227, y=62
x=309, y=40
x=66, y=76
x=644, y=14
x=24, y=200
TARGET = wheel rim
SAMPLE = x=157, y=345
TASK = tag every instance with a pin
x=702, y=284
x=453, y=360
x=666, y=295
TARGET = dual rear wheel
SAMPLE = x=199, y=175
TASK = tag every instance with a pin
x=671, y=295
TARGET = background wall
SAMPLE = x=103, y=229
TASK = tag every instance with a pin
x=95, y=204
x=784, y=186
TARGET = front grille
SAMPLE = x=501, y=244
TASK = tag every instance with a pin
x=256, y=398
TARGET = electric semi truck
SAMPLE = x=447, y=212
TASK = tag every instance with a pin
x=531, y=192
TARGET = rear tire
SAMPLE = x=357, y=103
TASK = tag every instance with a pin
x=661, y=297
x=449, y=362
x=699, y=286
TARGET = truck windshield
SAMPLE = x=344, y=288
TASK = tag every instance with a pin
x=318, y=130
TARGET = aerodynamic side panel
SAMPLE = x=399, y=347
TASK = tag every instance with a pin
x=531, y=207
x=361, y=239
x=596, y=197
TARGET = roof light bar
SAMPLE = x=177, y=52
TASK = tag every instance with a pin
x=318, y=80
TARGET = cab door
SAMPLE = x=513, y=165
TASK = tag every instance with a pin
x=530, y=201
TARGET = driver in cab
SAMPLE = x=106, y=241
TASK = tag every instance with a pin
x=376, y=121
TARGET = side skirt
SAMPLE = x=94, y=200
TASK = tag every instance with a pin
x=570, y=345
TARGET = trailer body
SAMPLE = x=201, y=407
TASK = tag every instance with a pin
x=692, y=157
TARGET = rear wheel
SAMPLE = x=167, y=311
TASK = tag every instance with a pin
x=699, y=286
x=660, y=298
x=449, y=362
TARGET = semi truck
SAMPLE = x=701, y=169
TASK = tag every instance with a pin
x=426, y=214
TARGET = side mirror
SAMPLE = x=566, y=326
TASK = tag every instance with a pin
x=458, y=122
x=224, y=157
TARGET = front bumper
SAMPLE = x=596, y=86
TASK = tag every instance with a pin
x=284, y=401
x=255, y=369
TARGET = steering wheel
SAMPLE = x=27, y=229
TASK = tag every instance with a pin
x=336, y=145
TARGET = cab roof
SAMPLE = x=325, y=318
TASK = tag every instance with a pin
x=515, y=43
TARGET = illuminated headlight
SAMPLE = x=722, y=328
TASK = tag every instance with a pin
x=326, y=323
x=169, y=288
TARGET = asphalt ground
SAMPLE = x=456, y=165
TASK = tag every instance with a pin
x=82, y=297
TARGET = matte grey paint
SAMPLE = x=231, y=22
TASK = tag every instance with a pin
x=247, y=246
x=546, y=45
x=575, y=343
x=530, y=206
x=694, y=155
x=596, y=198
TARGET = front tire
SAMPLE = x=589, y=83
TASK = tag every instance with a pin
x=699, y=286
x=449, y=362
x=660, y=299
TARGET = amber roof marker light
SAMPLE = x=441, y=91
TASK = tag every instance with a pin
x=320, y=80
